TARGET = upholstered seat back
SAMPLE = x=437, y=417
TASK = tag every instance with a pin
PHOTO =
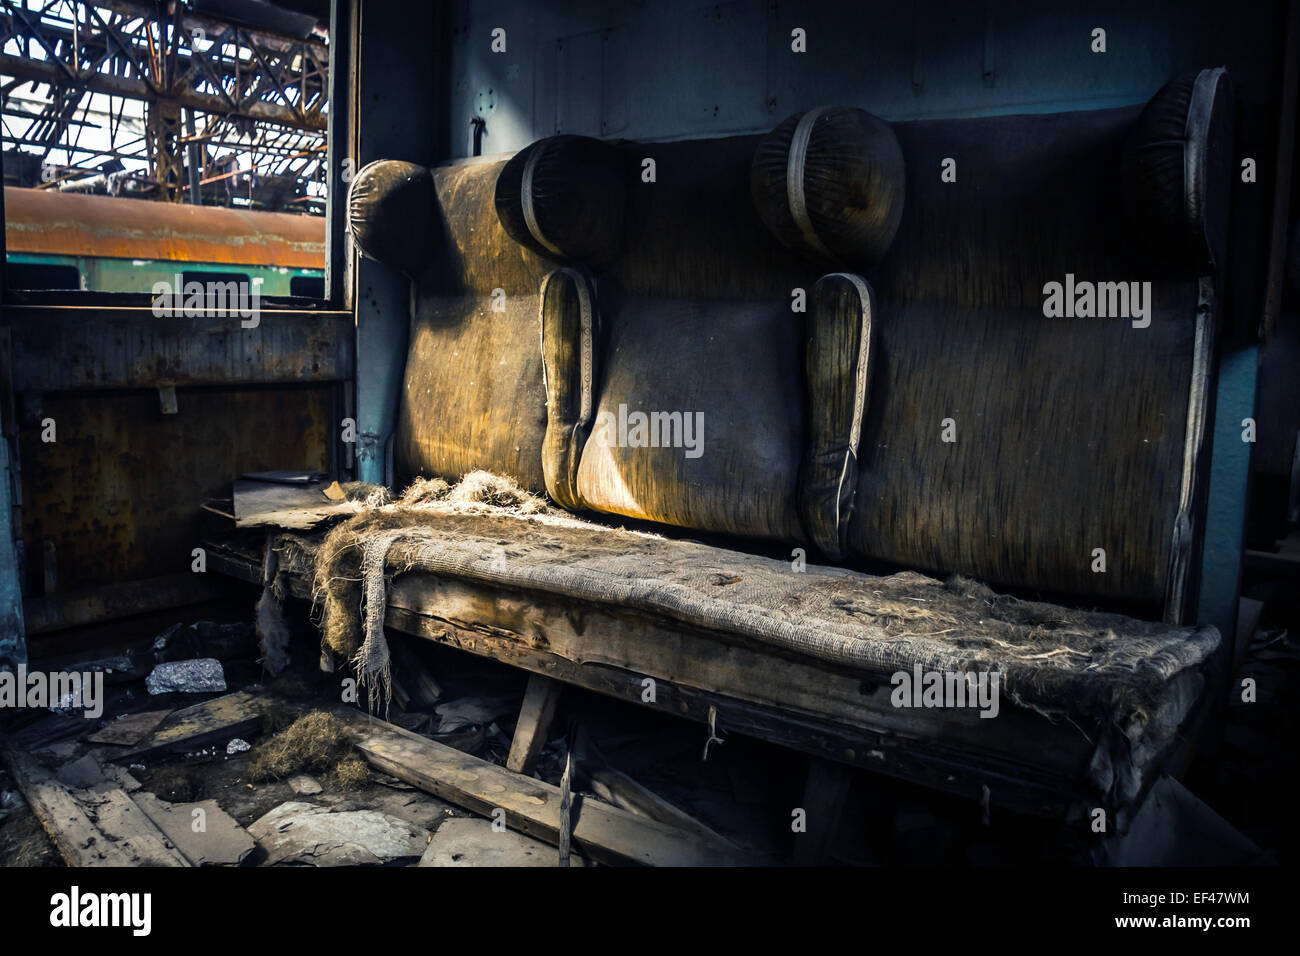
x=987, y=351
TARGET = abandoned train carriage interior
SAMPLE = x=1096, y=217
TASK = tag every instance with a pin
x=569, y=433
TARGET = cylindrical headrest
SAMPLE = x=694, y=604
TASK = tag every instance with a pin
x=1178, y=169
x=830, y=183
x=390, y=213
x=564, y=198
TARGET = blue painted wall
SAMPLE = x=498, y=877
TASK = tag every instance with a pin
x=683, y=69
x=396, y=101
x=13, y=645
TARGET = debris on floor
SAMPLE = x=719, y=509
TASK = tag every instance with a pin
x=311, y=835
x=471, y=841
x=317, y=742
x=282, y=774
x=100, y=827
x=201, y=676
x=304, y=785
x=456, y=715
x=203, y=832
x=129, y=729
x=213, y=722
x=10, y=800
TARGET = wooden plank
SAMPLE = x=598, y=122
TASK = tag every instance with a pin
x=824, y=795
x=535, y=715
x=193, y=728
x=119, y=818
x=1020, y=787
x=77, y=839
x=601, y=833
x=99, y=825
x=131, y=729
x=730, y=666
x=259, y=503
x=623, y=791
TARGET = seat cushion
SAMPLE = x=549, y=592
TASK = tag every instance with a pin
x=1134, y=681
x=472, y=395
x=719, y=386
x=1003, y=442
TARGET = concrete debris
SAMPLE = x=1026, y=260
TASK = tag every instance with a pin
x=306, y=834
x=203, y=832
x=304, y=785
x=237, y=746
x=201, y=676
x=80, y=774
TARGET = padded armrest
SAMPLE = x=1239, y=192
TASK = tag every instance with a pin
x=390, y=214
x=569, y=331
x=838, y=364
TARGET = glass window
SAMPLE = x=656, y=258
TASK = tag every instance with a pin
x=103, y=177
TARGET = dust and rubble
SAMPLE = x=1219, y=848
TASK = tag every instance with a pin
x=285, y=771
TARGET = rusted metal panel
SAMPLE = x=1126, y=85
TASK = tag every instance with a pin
x=119, y=489
x=75, y=224
x=111, y=601
x=58, y=349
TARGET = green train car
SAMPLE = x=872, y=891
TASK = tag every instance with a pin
x=60, y=240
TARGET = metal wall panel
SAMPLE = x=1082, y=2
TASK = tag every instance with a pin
x=689, y=69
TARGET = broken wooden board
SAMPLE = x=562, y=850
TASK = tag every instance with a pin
x=534, y=722
x=111, y=831
x=280, y=505
x=215, y=721
x=70, y=829
x=119, y=818
x=617, y=788
x=129, y=729
x=48, y=730
x=219, y=841
x=602, y=834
